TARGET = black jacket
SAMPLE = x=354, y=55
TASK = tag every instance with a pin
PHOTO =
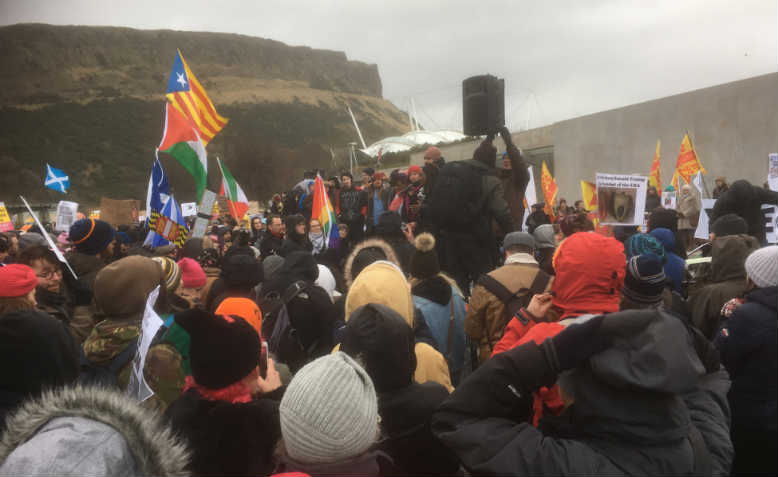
x=351, y=203
x=271, y=245
x=628, y=417
x=747, y=343
x=745, y=200
x=227, y=438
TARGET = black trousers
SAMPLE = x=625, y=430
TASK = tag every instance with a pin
x=465, y=258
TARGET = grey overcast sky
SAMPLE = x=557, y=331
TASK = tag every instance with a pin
x=560, y=59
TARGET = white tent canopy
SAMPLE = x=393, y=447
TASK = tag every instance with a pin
x=412, y=139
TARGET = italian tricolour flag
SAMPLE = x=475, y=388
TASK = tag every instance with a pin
x=236, y=198
x=181, y=141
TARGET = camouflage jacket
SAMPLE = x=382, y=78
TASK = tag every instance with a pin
x=109, y=338
x=167, y=365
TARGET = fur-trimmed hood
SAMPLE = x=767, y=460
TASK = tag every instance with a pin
x=88, y=430
x=374, y=243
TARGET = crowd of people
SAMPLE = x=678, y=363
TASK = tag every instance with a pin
x=441, y=334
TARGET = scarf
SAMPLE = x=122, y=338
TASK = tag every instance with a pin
x=520, y=257
x=318, y=242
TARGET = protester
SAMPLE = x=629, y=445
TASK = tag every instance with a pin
x=653, y=200
x=561, y=210
x=413, y=197
x=351, y=201
x=574, y=222
x=747, y=343
x=367, y=252
x=537, y=218
x=31, y=239
x=193, y=279
x=383, y=283
x=378, y=337
x=499, y=294
x=433, y=155
x=9, y=248
x=329, y=421
x=746, y=200
x=674, y=266
x=17, y=288
x=316, y=237
x=721, y=187
x=378, y=200
x=240, y=274
x=296, y=239
x=514, y=185
x=637, y=401
x=579, y=207
x=644, y=283
x=257, y=230
x=727, y=224
x=440, y=302
x=390, y=229
x=545, y=247
x=727, y=280
x=466, y=199
x=667, y=219
x=271, y=245
x=688, y=214
x=229, y=410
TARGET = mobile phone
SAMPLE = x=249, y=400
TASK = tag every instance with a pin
x=263, y=360
x=404, y=227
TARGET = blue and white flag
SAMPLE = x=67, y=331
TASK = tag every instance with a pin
x=56, y=179
x=167, y=226
x=158, y=191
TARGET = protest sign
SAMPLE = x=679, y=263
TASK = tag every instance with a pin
x=188, y=209
x=770, y=213
x=95, y=214
x=53, y=247
x=204, y=213
x=703, y=224
x=137, y=386
x=530, y=197
x=772, y=171
x=119, y=212
x=669, y=199
x=66, y=214
x=254, y=208
x=5, y=220
x=621, y=199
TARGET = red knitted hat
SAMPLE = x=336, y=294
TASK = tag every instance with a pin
x=414, y=168
x=192, y=274
x=16, y=280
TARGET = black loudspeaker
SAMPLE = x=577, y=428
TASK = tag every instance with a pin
x=483, y=104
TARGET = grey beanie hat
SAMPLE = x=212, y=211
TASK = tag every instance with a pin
x=271, y=265
x=31, y=239
x=762, y=266
x=544, y=236
x=329, y=412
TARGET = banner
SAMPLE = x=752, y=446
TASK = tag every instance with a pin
x=188, y=209
x=119, y=212
x=5, y=220
x=66, y=214
x=204, y=213
x=137, y=386
x=621, y=199
x=53, y=247
x=703, y=225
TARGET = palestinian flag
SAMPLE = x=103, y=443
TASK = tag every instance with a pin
x=182, y=141
x=236, y=198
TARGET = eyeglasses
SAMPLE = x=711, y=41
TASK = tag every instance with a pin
x=51, y=274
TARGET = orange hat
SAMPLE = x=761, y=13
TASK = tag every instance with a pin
x=244, y=308
x=414, y=168
x=432, y=152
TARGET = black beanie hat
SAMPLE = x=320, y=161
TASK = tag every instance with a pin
x=223, y=350
x=241, y=272
x=645, y=279
x=37, y=352
x=91, y=236
x=380, y=338
x=729, y=224
x=424, y=261
x=663, y=219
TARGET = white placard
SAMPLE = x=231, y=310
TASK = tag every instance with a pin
x=772, y=171
x=621, y=199
x=205, y=209
x=771, y=222
x=67, y=213
x=53, y=247
x=188, y=209
x=703, y=224
x=530, y=195
x=137, y=386
x=669, y=199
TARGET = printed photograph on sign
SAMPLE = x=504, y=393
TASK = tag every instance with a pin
x=621, y=199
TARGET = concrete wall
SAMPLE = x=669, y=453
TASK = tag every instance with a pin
x=733, y=127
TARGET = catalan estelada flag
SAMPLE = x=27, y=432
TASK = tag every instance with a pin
x=688, y=164
x=323, y=212
x=655, y=176
x=549, y=188
x=188, y=96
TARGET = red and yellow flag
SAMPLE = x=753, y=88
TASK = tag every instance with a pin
x=655, y=176
x=188, y=96
x=589, y=195
x=550, y=189
x=688, y=164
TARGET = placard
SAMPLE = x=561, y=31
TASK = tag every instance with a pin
x=67, y=213
x=621, y=199
x=119, y=212
x=137, y=386
x=5, y=220
x=770, y=213
x=703, y=224
x=669, y=199
x=772, y=171
x=188, y=209
x=204, y=213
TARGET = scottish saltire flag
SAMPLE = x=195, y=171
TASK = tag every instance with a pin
x=323, y=212
x=56, y=179
x=167, y=226
x=188, y=96
x=159, y=191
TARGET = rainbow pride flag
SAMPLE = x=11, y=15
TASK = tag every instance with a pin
x=323, y=212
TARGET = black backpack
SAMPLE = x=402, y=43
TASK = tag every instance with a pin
x=277, y=328
x=105, y=375
x=455, y=202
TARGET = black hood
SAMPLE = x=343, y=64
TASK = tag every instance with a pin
x=632, y=391
x=765, y=296
x=297, y=266
x=435, y=289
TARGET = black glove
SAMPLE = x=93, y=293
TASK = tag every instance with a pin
x=575, y=345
